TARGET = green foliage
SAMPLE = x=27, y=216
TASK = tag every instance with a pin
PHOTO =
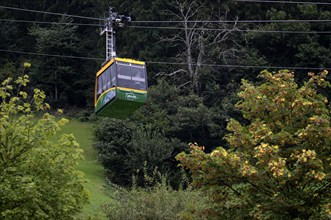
x=278, y=165
x=38, y=179
x=111, y=139
x=58, y=75
x=306, y=49
x=6, y=70
x=123, y=147
x=159, y=202
x=180, y=115
x=156, y=133
x=76, y=76
x=195, y=121
x=152, y=146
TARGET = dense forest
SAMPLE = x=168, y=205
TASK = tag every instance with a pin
x=201, y=47
x=197, y=52
x=199, y=55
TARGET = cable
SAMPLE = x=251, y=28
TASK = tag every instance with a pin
x=50, y=55
x=50, y=13
x=170, y=63
x=234, y=21
x=201, y=21
x=236, y=30
x=174, y=28
x=48, y=22
x=240, y=66
x=284, y=2
x=196, y=21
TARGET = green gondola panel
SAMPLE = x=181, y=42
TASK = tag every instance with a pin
x=120, y=88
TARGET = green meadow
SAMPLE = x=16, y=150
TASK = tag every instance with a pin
x=96, y=183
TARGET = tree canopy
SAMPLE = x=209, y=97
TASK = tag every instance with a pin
x=200, y=46
x=38, y=176
x=196, y=52
x=277, y=165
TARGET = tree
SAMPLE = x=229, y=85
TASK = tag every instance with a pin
x=179, y=115
x=111, y=140
x=38, y=179
x=124, y=148
x=76, y=83
x=58, y=76
x=156, y=133
x=196, y=42
x=307, y=49
x=278, y=164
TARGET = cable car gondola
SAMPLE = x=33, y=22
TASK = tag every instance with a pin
x=120, y=88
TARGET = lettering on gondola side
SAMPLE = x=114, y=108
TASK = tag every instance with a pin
x=131, y=96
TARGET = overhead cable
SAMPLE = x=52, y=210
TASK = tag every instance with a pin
x=50, y=13
x=49, y=22
x=50, y=55
x=178, y=21
x=235, y=30
x=285, y=2
x=196, y=21
x=236, y=21
x=192, y=21
x=171, y=63
x=173, y=28
x=239, y=66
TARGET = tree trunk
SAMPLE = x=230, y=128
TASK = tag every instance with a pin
x=55, y=88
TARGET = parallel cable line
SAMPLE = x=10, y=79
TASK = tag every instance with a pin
x=237, y=21
x=193, y=21
x=50, y=55
x=172, y=63
x=174, y=28
x=48, y=22
x=50, y=13
x=197, y=21
x=242, y=66
x=284, y=2
x=234, y=30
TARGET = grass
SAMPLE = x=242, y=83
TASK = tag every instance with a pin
x=94, y=173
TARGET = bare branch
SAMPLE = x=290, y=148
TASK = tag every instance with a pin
x=175, y=38
x=196, y=42
x=172, y=73
x=184, y=84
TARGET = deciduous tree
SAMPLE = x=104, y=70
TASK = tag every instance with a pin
x=38, y=179
x=278, y=164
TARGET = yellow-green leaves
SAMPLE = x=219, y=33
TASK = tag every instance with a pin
x=304, y=156
x=23, y=80
x=27, y=65
x=39, y=97
x=38, y=179
x=265, y=150
x=278, y=163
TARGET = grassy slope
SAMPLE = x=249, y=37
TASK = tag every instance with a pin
x=93, y=170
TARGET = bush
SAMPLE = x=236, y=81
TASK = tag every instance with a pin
x=123, y=148
x=159, y=201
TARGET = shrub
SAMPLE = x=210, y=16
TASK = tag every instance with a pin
x=159, y=201
x=123, y=148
